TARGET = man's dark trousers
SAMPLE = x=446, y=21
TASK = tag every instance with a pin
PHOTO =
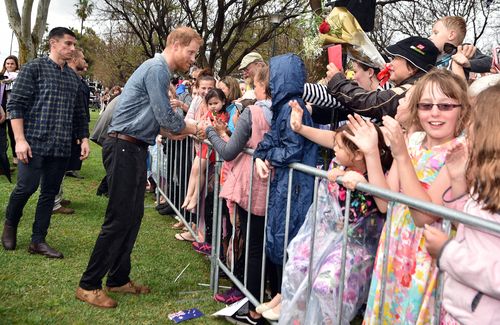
x=47, y=172
x=125, y=164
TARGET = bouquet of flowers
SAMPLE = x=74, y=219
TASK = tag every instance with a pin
x=340, y=27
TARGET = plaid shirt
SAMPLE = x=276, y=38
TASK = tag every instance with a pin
x=48, y=99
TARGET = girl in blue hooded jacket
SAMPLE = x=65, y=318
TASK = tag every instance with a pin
x=280, y=147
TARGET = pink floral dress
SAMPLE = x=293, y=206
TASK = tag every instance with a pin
x=411, y=273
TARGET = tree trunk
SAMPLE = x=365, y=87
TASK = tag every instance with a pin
x=28, y=39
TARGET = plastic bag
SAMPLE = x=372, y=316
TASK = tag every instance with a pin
x=321, y=306
x=295, y=273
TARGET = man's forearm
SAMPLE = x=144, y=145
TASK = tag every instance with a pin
x=18, y=129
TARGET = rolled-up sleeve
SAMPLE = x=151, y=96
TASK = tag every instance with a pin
x=158, y=83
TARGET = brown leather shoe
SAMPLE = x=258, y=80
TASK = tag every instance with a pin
x=97, y=298
x=65, y=202
x=45, y=250
x=63, y=210
x=130, y=287
x=9, y=237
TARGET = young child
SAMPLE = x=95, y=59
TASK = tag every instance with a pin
x=197, y=112
x=216, y=103
x=280, y=147
x=440, y=108
x=448, y=34
x=365, y=225
x=470, y=261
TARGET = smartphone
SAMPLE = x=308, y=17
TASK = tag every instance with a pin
x=496, y=57
x=335, y=55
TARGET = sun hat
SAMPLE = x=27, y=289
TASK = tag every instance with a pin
x=249, y=59
x=419, y=51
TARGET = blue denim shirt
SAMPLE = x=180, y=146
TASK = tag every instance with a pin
x=144, y=106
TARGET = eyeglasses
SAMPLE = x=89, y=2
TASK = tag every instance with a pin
x=441, y=107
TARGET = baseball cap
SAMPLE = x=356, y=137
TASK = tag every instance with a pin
x=250, y=58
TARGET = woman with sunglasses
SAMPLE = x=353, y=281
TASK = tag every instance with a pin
x=412, y=58
x=440, y=109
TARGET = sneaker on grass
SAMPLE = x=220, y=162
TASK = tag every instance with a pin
x=202, y=248
x=230, y=296
x=245, y=319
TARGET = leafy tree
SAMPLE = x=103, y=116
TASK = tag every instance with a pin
x=83, y=10
x=28, y=39
x=415, y=18
x=230, y=29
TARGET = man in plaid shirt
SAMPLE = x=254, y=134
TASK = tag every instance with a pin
x=45, y=111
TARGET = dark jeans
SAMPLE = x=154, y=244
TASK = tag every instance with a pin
x=4, y=160
x=255, y=246
x=74, y=162
x=125, y=165
x=275, y=276
x=47, y=172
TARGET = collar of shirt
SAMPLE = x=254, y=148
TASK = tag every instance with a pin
x=65, y=66
x=160, y=57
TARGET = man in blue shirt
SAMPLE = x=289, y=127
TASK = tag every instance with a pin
x=142, y=112
x=45, y=111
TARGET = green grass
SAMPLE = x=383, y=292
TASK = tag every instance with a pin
x=37, y=290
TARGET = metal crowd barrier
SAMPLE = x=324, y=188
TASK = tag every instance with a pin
x=171, y=174
x=167, y=168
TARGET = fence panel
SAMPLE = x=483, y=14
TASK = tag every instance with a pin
x=168, y=170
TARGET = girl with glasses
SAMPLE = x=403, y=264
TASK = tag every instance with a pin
x=439, y=110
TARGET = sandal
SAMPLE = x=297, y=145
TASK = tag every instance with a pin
x=184, y=237
x=178, y=225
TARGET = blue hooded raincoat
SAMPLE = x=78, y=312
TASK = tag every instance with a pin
x=281, y=146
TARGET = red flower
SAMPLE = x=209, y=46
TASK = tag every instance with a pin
x=324, y=27
x=406, y=280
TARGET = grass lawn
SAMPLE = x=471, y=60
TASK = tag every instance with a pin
x=37, y=290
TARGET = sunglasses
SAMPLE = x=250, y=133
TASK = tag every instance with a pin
x=449, y=48
x=441, y=107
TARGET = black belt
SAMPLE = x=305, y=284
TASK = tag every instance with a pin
x=128, y=138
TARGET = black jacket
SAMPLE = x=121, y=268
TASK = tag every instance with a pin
x=373, y=104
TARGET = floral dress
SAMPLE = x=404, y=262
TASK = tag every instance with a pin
x=411, y=274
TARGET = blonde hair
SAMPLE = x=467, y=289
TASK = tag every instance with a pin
x=184, y=35
x=234, y=88
x=457, y=24
x=452, y=86
x=262, y=76
x=483, y=170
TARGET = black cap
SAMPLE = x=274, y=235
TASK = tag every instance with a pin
x=419, y=51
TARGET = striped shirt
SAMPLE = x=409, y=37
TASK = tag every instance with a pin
x=46, y=97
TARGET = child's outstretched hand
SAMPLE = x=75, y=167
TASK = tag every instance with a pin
x=456, y=161
x=351, y=179
x=220, y=126
x=295, y=116
x=395, y=136
x=434, y=240
x=365, y=135
x=334, y=173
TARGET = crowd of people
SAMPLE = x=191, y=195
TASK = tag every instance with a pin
x=427, y=134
